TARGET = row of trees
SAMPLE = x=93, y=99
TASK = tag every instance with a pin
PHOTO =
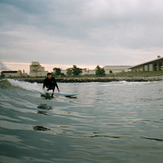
x=76, y=71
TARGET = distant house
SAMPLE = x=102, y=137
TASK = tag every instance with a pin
x=154, y=65
x=36, y=70
x=8, y=74
x=87, y=71
x=63, y=71
x=116, y=69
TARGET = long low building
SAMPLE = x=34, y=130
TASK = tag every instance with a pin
x=9, y=74
x=154, y=65
x=116, y=69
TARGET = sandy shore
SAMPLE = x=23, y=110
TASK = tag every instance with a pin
x=96, y=79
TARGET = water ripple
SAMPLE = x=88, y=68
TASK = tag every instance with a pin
x=116, y=122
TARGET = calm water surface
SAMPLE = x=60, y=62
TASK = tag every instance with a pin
x=107, y=122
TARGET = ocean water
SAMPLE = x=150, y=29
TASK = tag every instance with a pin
x=117, y=122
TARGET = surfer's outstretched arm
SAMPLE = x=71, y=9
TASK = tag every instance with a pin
x=56, y=85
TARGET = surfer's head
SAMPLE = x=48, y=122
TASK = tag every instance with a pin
x=49, y=75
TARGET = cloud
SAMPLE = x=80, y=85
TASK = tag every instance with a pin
x=3, y=66
x=85, y=32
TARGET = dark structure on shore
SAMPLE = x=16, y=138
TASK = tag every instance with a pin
x=9, y=74
x=154, y=65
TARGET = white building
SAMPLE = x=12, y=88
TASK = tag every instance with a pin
x=87, y=71
x=64, y=71
x=36, y=70
x=116, y=69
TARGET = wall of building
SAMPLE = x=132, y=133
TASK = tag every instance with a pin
x=116, y=69
x=7, y=75
x=88, y=72
x=36, y=70
x=64, y=71
x=19, y=73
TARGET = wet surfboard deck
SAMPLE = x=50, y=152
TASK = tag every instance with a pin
x=50, y=96
x=67, y=95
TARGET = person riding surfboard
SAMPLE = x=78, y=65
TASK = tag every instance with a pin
x=50, y=83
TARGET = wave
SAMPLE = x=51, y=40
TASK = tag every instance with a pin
x=35, y=87
x=11, y=83
x=4, y=84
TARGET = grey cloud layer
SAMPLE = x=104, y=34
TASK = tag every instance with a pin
x=81, y=31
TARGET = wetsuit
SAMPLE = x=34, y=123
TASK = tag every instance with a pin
x=50, y=84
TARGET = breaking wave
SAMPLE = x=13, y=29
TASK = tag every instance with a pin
x=11, y=83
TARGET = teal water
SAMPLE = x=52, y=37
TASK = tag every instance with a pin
x=115, y=122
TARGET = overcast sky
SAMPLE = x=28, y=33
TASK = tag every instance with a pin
x=82, y=32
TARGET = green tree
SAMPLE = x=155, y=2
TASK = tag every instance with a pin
x=76, y=70
x=62, y=74
x=57, y=71
x=69, y=72
x=100, y=71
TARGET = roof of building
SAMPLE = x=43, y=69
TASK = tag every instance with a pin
x=161, y=58
x=117, y=66
x=9, y=71
x=35, y=63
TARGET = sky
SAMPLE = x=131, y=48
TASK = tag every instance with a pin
x=81, y=32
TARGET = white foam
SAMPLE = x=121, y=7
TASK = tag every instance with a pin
x=123, y=83
x=35, y=87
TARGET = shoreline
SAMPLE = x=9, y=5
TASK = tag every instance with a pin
x=94, y=79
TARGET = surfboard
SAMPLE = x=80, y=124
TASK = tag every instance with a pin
x=50, y=96
x=67, y=95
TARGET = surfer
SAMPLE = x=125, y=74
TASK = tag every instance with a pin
x=50, y=83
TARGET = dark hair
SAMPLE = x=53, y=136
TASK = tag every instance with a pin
x=49, y=73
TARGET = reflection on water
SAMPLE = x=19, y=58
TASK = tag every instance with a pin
x=156, y=139
x=43, y=112
x=40, y=128
x=108, y=122
x=44, y=106
x=47, y=96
